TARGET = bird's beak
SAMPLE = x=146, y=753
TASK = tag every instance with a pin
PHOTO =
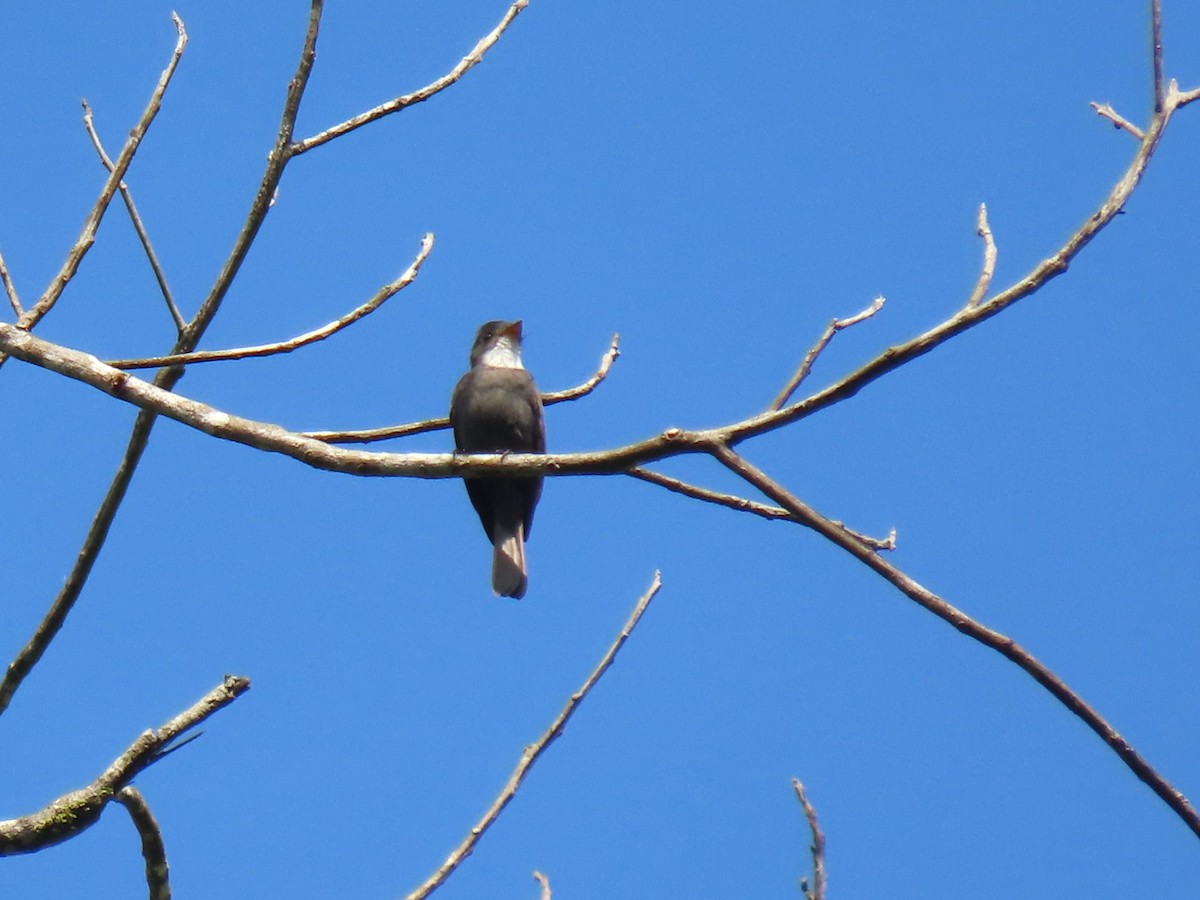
x=513, y=331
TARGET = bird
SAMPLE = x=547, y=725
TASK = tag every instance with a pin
x=496, y=408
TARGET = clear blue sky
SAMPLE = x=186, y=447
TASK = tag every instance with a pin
x=715, y=184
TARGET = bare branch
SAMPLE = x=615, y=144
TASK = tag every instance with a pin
x=467, y=63
x=740, y=504
x=545, y=883
x=381, y=296
x=9, y=288
x=439, y=424
x=154, y=852
x=1156, y=52
x=1002, y=644
x=809, y=358
x=1185, y=97
x=818, y=844
x=166, y=379
x=1118, y=120
x=75, y=812
x=134, y=216
x=88, y=235
x=582, y=390
x=989, y=260
x=535, y=750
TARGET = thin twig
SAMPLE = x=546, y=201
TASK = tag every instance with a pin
x=154, y=852
x=1002, y=644
x=582, y=390
x=545, y=883
x=134, y=216
x=9, y=288
x=74, y=812
x=535, y=750
x=394, y=431
x=818, y=844
x=989, y=260
x=87, y=236
x=1118, y=120
x=809, y=358
x=381, y=296
x=1156, y=52
x=467, y=63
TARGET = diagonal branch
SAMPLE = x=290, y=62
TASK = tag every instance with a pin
x=1002, y=644
x=381, y=296
x=134, y=216
x=1118, y=120
x=87, y=236
x=77, y=811
x=154, y=852
x=535, y=750
x=10, y=289
x=806, y=365
x=467, y=63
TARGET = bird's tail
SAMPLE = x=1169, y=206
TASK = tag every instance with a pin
x=509, y=578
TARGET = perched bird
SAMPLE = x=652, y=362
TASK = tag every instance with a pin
x=496, y=408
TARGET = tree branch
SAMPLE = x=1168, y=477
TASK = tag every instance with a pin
x=10, y=289
x=806, y=365
x=381, y=296
x=154, y=852
x=817, y=848
x=87, y=236
x=535, y=750
x=545, y=883
x=989, y=260
x=439, y=424
x=77, y=811
x=134, y=216
x=1118, y=120
x=467, y=63
x=1002, y=644
x=166, y=379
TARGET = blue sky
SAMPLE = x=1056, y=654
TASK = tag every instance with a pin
x=715, y=186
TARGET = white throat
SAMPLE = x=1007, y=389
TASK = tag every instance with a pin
x=504, y=354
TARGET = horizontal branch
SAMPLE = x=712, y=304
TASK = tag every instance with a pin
x=381, y=296
x=74, y=812
x=439, y=424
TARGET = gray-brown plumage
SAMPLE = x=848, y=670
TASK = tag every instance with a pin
x=496, y=408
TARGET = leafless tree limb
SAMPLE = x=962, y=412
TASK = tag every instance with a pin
x=74, y=812
x=989, y=260
x=535, y=750
x=154, y=852
x=1118, y=120
x=134, y=216
x=545, y=883
x=1001, y=643
x=380, y=297
x=166, y=379
x=811, y=357
x=439, y=424
x=10, y=289
x=582, y=390
x=87, y=236
x=1156, y=53
x=818, y=845
x=467, y=63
